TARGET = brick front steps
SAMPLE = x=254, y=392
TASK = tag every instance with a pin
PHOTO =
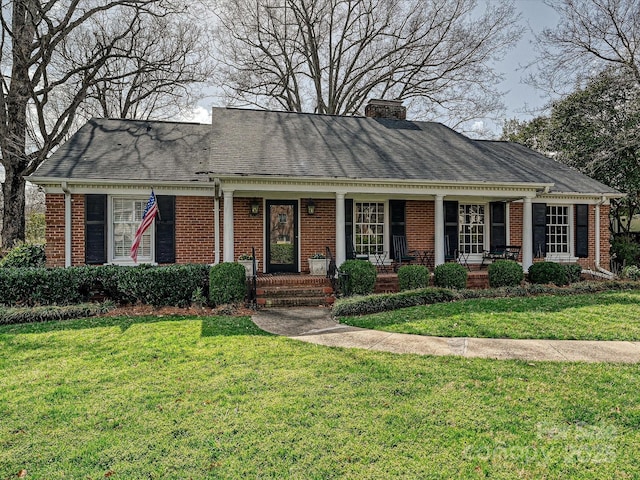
x=293, y=291
x=297, y=290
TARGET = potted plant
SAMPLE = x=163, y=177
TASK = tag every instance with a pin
x=246, y=259
x=318, y=264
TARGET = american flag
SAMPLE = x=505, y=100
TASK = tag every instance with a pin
x=150, y=212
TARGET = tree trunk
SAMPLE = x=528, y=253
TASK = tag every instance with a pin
x=13, y=194
x=14, y=129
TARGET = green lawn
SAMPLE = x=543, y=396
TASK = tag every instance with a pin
x=216, y=398
x=601, y=316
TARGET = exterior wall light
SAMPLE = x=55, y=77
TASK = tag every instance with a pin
x=254, y=208
x=311, y=207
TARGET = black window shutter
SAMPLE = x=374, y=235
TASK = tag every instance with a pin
x=498, y=224
x=397, y=210
x=166, y=229
x=539, y=229
x=95, y=231
x=582, y=230
x=450, y=229
x=348, y=225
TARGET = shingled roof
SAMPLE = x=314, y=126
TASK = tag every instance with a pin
x=282, y=144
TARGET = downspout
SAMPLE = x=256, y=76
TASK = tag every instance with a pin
x=216, y=220
x=67, y=224
x=602, y=271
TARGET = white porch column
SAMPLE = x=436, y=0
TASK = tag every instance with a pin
x=216, y=230
x=227, y=243
x=438, y=239
x=341, y=253
x=527, y=234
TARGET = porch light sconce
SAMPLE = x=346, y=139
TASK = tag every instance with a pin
x=311, y=207
x=254, y=209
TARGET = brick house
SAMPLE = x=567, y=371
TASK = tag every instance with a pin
x=291, y=184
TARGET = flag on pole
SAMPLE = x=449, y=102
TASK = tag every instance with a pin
x=150, y=212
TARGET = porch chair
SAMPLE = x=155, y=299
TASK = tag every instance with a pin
x=351, y=253
x=449, y=254
x=401, y=252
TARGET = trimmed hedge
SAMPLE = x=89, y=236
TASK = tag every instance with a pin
x=450, y=275
x=548, y=272
x=411, y=277
x=11, y=316
x=505, y=273
x=171, y=285
x=43, y=286
x=359, y=277
x=392, y=301
x=227, y=283
x=161, y=286
x=25, y=255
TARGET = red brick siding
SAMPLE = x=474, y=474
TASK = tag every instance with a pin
x=77, y=230
x=54, y=232
x=248, y=231
x=317, y=231
x=420, y=224
x=194, y=230
x=515, y=225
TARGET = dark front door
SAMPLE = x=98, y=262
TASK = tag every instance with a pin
x=282, y=236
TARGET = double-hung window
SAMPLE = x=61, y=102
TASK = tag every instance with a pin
x=471, y=224
x=558, y=240
x=126, y=214
x=369, y=227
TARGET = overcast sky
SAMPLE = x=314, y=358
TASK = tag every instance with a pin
x=536, y=16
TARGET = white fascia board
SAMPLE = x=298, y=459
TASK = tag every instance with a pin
x=330, y=186
x=319, y=187
x=573, y=197
x=132, y=187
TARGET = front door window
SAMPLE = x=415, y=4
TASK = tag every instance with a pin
x=282, y=236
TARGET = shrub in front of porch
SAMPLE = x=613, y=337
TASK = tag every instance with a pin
x=227, y=283
x=548, y=272
x=574, y=272
x=450, y=275
x=24, y=255
x=358, y=277
x=505, y=273
x=411, y=277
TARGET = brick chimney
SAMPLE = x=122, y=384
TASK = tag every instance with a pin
x=393, y=109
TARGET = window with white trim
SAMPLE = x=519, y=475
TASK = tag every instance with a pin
x=369, y=227
x=126, y=215
x=471, y=222
x=557, y=229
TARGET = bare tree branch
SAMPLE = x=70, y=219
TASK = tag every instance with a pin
x=65, y=60
x=330, y=56
x=590, y=35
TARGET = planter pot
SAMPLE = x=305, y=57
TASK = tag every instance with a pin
x=318, y=266
x=248, y=266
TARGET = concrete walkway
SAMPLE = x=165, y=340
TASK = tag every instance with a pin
x=315, y=325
